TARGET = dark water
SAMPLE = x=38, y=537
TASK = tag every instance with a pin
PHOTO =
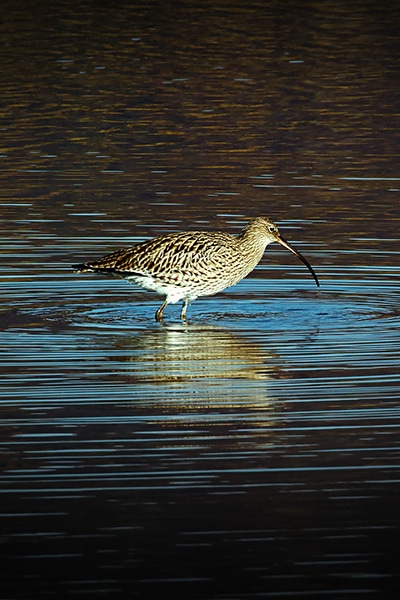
x=254, y=451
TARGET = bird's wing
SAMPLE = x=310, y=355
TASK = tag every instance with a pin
x=169, y=254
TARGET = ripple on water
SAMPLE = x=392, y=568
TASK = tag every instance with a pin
x=327, y=310
x=281, y=402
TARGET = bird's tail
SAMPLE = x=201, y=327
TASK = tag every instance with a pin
x=83, y=268
x=96, y=268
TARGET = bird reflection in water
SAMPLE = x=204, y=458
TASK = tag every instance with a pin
x=200, y=372
x=182, y=353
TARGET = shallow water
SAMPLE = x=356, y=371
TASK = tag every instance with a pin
x=253, y=451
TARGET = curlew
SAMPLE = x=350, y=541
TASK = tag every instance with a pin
x=185, y=266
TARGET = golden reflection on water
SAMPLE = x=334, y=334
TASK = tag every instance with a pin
x=195, y=352
x=202, y=372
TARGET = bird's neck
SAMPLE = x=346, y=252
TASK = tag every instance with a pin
x=252, y=237
x=252, y=244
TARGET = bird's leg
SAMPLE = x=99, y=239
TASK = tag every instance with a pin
x=184, y=307
x=160, y=312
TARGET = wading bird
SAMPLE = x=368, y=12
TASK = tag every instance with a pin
x=186, y=266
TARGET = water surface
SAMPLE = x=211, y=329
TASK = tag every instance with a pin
x=253, y=451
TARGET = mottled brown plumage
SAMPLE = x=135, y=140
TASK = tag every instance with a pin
x=185, y=266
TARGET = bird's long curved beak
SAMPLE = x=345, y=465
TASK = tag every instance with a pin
x=286, y=244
